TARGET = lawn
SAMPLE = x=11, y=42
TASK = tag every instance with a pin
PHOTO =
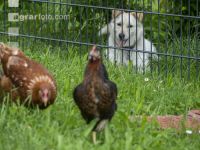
x=61, y=127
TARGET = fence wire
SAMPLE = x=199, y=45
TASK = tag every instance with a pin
x=155, y=36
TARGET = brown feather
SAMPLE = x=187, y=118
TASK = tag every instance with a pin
x=6, y=84
x=28, y=76
x=96, y=95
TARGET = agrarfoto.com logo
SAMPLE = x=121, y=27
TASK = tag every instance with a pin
x=19, y=17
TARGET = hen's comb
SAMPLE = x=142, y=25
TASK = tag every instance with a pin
x=94, y=48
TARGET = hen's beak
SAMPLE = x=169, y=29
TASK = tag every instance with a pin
x=45, y=101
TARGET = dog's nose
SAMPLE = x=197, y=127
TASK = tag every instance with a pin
x=121, y=36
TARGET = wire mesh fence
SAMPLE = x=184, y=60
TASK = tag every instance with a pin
x=155, y=36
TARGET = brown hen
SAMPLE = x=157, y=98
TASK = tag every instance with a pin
x=35, y=85
x=96, y=95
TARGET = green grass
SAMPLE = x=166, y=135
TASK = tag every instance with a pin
x=61, y=126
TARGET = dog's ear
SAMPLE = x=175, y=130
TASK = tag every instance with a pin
x=116, y=13
x=139, y=16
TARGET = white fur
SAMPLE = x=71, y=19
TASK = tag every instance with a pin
x=121, y=24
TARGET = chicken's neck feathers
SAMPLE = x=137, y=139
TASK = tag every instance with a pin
x=41, y=79
x=95, y=70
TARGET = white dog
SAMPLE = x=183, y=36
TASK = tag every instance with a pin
x=126, y=31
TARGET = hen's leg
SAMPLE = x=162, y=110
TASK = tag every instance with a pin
x=94, y=137
x=100, y=125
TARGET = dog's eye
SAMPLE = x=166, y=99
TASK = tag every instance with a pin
x=130, y=26
x=119, y=24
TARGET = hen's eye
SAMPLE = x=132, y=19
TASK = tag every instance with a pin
x=130, y=26
x=119, y=24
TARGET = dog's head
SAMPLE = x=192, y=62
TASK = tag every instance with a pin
x=125, y=26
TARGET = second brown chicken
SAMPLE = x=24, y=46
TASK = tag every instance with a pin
x=35, y=86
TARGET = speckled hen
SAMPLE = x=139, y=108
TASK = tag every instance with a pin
x=35, y=86
x=96, y=95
